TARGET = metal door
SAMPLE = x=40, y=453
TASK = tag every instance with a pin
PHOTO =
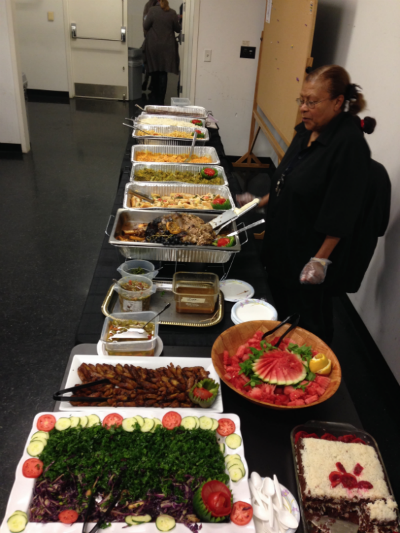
x=98, y=50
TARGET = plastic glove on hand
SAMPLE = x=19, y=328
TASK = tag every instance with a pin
x=314, y=273
x=245, y=198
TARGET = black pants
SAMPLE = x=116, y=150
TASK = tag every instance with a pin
x=159, y=81
x=313, y=302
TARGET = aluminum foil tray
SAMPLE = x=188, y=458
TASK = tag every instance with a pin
x=172, y=167
x=165, y=188
x=154, y=139
x=193, y=111
x=199, y=151
x=142, y=116
x=159, y=252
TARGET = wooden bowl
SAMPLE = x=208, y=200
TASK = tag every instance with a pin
x=232, y=338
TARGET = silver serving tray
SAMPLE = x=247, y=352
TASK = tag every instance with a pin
x=159, y=252
x=142, y=116
x=165, y=188
x=178, y=141
x=192, y=111
x=175, y=167
x=199, y=151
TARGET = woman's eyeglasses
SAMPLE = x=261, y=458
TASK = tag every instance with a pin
x=309, y=103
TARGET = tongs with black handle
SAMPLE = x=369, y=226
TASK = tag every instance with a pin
x=105, y=516
x=295, y=318
x=58, y=396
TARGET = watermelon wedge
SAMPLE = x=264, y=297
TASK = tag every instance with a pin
x=287, y=368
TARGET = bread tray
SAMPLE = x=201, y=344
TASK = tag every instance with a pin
x=138, y=120
x=199, y=151
x=176, y=167
x=165, y=188
x=337, y=429
x=159, y=252
x=164, y=139
x=192, y=111
x=170, y=317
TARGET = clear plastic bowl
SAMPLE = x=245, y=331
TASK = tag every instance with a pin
x=195, y=292
x=239, y=313
x=138, y=263
x=180, y=101
x=136, y=348
x=134, y=301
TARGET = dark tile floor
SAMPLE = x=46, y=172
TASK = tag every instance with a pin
x=54, y=209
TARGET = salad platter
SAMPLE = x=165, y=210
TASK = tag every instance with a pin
x=194, y=452
x=143, y=362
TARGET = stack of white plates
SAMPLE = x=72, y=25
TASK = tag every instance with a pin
x=253, y=309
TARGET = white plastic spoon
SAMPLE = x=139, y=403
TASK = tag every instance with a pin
x=269, y=490
x=260, y=513
x=256, y=496
x=278, y=492
x=257, y=480
x=287, y=520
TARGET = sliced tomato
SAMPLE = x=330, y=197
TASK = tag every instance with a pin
x=32, y=468
x=68, y=517
x=223, y=242
x=201, y=393
x=219, y=504
x=171, y=420
x=219, y=200
x=214, y=486
x=113, y=419
x=226, y=427
x=46, y=422
x=242, y=513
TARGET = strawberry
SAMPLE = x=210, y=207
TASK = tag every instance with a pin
x=341, y=468
x=358, y=469
x=335, y=478
x=300, y=435
x=347, y=438
x=328, y=436
x=364, y=485
x=360, y=441
x=349, y=481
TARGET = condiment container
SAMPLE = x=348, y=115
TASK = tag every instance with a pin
x=132, y=347
x=132, y=300
x=195, y=292
x=253, y=309
x=138, y=263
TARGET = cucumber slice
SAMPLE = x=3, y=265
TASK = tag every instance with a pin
x=35, y=448
x=188, y=422
x=16, y=523
x=62, y=424
x=44, y=434
x=75, y=420
x=229, y=458
x=233, y=441
x=21, y=513
x=141, y=519
x=215, y=424
x=93, y=420
x=39, y=438
x=83, y=421
x=129, y=520
x=197, y=422
x=157, y=422
x=140, y=420
x=236, y=465
x=206, y=422
x=165, y=522
x=128, y=424
x=222, y=447
x=236, y=473
x=148, y=424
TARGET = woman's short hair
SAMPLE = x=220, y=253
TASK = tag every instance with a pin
x=338, y=81
x=164, y=4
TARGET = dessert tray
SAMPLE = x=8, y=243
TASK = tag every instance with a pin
x=21, y=493
x=144, y=362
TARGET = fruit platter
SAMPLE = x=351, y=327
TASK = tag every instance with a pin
x=303, y=371
x=160, y=472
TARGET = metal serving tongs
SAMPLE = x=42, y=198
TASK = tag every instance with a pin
x=141, y=195
x=189, y=158
x=106, y=514
x=232, y=214
x=246, y=227
x=295, y=318
x=58, y=396
x=334, y=525
x=136, y=128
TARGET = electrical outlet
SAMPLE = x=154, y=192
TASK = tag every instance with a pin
x=245, y=43
x=248, y=52
x=207, y=55
x=50, y=16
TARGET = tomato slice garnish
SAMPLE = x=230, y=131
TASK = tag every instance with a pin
x=242, y=513
x=226, y=427
x=219, y=201
x=222, y=242
x=32, y=468
x=171, y=420
x=46, y=422
x=219, y=504
x=113, y=419
x=203, y=394
x=214, y=486
x=68, y=517
x=209, y=171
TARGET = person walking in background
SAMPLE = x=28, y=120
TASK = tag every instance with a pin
x=161, y=48
x=148, y=5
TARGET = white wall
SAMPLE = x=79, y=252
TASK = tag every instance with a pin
x=42, y=44
x=13, y=123
x=363, y=36
x=226, y=84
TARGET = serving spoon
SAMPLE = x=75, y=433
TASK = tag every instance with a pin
x=188, y=159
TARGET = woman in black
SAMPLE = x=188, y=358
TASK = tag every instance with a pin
x=316, y=198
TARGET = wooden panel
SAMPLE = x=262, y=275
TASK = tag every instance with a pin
x=286, y=50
